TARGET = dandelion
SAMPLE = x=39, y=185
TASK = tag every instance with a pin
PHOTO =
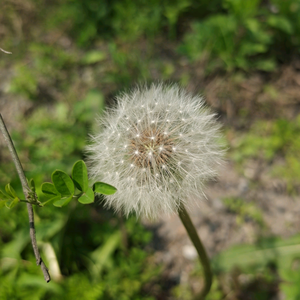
x=163, y=144
x=157, y=146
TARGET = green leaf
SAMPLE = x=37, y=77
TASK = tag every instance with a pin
x=63, y=201
x=258, y=255
x=54, y=199
x=102, y=254
x=63, y=183
x=11, y=203
x=27, y=281
x=104, y=188
x=84, y=110
x=3, y=196
x=32, y=184
x=10, y=191
x=80, y=176
x=87, y=197
x=281, y=23
x=94, y=56
x=49, y=189
x=2, y=203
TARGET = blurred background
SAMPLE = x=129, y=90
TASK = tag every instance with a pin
x=70, y=58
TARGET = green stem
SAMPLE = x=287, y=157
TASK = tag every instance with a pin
x=37, y=203
x=191, y=230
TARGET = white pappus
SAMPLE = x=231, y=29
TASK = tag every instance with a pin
x=158, y=145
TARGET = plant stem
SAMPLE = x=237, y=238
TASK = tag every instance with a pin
x=26, y=189
x=191, y=230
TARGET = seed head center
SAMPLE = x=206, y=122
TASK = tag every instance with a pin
x=150, y=149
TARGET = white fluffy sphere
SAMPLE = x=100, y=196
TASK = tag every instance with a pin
x=157, y=146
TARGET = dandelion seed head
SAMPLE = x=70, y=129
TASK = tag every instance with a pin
x=163, y=163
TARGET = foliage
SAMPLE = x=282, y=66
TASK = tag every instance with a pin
x=244, y=211
x=96, y=269
x=227, y=34
x=63, y=189
x=127, y=20
x=268, y=140
x=246, y=35
x=264, y=261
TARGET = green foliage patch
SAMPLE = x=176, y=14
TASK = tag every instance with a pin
x=245, y=34
x=270, y=141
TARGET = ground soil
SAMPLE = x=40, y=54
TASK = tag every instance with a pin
x=217, y=225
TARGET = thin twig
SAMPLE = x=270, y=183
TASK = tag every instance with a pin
x=26, y=189
x=7, y=52
x=192, y=232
